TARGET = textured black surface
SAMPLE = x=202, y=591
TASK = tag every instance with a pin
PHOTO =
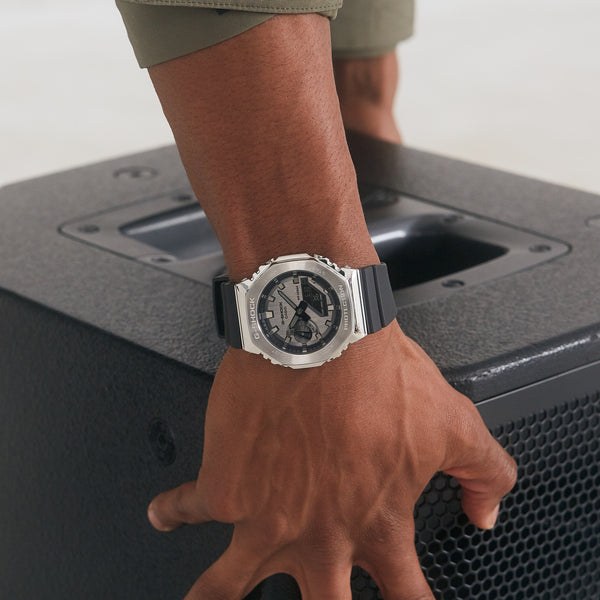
x=81, y=457
x=93, y=427
x=486, y=339
x=106, y=364
x=519, y=329
x=546, y=543
x=137, y=302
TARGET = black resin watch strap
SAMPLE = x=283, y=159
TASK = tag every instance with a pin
x=226, y=314
x=378, y=297
x=378, y=301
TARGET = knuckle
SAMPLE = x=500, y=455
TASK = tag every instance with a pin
x=274, y=532
x=178, y=503
x=323, y=548
x=466, y=435
x=509, y=472
x=502, y=469
x=383, y=530
x=464, y=418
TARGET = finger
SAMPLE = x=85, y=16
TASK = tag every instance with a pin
x=232, y=577
x=325, y=583
x=397, y=571
x=485, y=471
x=183, y=505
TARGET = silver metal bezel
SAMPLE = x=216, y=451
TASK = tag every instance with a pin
x=248, y=292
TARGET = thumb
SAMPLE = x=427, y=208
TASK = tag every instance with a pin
x=485, y=471
x=182, y=505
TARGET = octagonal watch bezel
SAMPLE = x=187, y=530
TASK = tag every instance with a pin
x=249, y=291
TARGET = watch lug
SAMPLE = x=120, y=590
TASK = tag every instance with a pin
x=241, y=290
x=353, y=277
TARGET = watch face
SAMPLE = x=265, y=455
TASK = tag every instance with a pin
x=299, y=312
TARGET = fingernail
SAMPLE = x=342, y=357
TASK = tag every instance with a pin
x=151, y=514
x=154, y=520
x=491, y=521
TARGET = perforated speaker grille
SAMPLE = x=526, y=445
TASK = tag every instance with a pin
x=546, y=544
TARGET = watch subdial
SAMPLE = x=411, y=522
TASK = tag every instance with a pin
x=302, y=332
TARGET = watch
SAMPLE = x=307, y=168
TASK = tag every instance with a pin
x=301, y=311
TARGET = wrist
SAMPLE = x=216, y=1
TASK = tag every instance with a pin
x=345, y=241
x=301, y=311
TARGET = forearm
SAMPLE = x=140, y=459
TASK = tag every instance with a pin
x=258, y=127
x=318, y=469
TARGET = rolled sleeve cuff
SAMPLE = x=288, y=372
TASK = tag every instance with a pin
x=365, y=29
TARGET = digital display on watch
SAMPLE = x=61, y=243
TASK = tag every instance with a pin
x=314, y=298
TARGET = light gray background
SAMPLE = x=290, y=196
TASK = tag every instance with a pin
x=506, y=83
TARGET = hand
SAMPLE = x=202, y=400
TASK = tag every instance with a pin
x=319, y=469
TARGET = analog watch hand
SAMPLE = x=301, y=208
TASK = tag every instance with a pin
x=300, y=313
x=287, y=299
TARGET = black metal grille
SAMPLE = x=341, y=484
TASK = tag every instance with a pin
x=546, y=544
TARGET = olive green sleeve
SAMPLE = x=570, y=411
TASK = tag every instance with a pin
x=160, y=33
x=366, y=28
x=264, y=6
x=160, y=30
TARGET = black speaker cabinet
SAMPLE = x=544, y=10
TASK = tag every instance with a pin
x=108, y=348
